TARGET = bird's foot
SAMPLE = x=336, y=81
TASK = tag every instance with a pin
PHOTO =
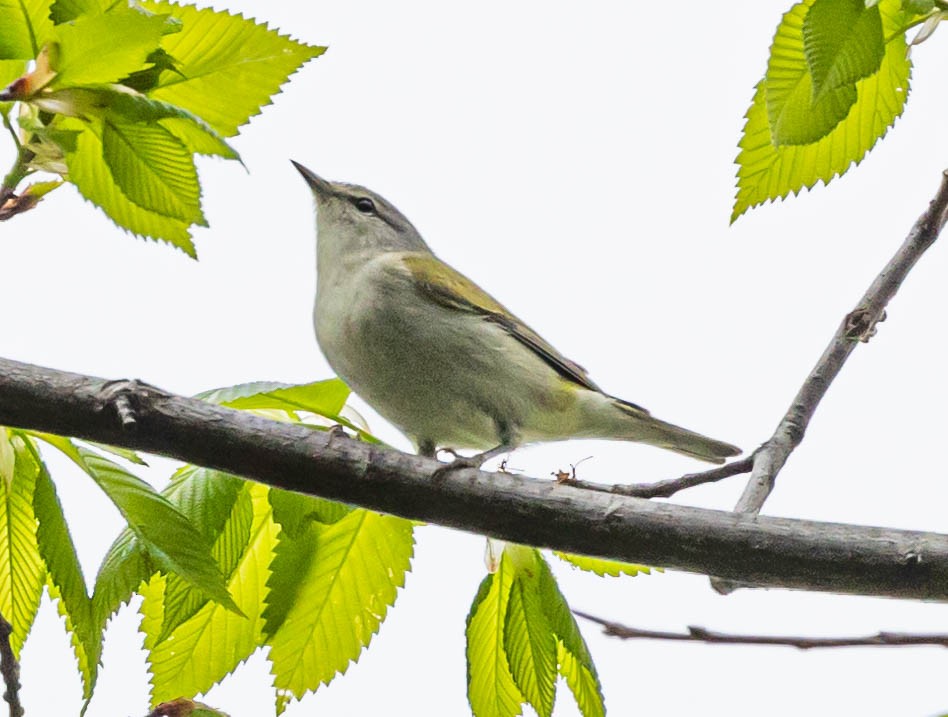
x=337, y=433
x=475, y=461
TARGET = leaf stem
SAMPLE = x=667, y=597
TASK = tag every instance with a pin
x=20, y=169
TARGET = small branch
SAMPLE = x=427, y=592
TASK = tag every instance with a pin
x=700, y=634
x=10, y=670
x=857, y=327
x=663, y=488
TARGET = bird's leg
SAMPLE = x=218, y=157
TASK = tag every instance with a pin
x=507, y=444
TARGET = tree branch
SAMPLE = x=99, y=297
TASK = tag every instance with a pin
x=776, y=552
x=858, y=326
x=663, y=488
x=10, y=670
x=700, y=634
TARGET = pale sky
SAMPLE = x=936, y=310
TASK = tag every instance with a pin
x=575, y=159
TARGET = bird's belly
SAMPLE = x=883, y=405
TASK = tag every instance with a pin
x=438, y=375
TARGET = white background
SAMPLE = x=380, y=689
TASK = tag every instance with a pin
x=575, y=159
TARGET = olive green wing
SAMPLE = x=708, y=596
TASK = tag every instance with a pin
x=442, y=284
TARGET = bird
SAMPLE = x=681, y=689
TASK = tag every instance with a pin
x=440, y=358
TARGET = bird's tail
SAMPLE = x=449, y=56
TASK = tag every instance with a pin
x=628, y=422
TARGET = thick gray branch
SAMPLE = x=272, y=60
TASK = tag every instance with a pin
x=775, y=552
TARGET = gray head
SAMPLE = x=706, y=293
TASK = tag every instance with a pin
x=356, y=219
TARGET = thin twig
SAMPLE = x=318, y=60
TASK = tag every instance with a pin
x=857, y=327
x=10, y=670
x=663, y=488
x=700, y=634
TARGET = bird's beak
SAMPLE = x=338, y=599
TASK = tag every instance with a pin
x=315, y=182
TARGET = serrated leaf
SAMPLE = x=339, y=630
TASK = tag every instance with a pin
x=26, y=26
x=66, y=10
x=843, y=43
x=198, y=139
x=122, y=571
x=582, y=682
x=767, y=172
x=530, y=645
x=124, y=453
x=212, y=643
x=172, y=542
x=600, y=566
x=7, y=456
x=123, y=105
x=153, y=169
x=325, y=398
x=219, y=506
x=92, y=177
x=918, y=7
x=576, y=665
x=795, y=116
x=296, y=549
x=226, y=395
x=229, y=66
x=491, y=689
x=358, y=564
x=67, y=585
x=22, y=572
x=295, y=511
x=103, y=48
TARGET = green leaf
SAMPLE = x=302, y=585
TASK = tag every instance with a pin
x=575, y=661
x=66, y=582
x=325, y=398
x=295, y=511
x=769, y=172
x=169, y=537
x=22, y=572
x=228, y=66
x=9, y=71
x=796, y=112
x=103, y=48
x=582, y=682
x=530, y=645
x=296, y=549
x=918, y=7
x=153, y=168
x=601, y=567
x=198, y=139
x=26, y=27
x=214, y=641
x=123, y=569
x=219, y=505
x=491, y=689
x=123, y=105
x=7, y=456
x=92, y=177
x=66, y=10
x=226, y=395
x=843, y=43
x=344, y=594
x=125, y=453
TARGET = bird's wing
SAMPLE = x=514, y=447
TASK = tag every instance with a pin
x=450, y=288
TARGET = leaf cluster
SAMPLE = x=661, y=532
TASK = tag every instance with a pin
x=837, y=78
x=122, y=97
x=225, y=567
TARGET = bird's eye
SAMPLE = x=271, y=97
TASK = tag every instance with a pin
x=365, y=205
